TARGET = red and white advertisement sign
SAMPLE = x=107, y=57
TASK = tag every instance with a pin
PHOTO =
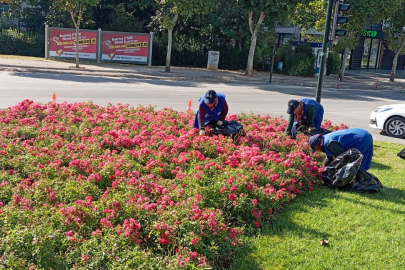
x=62, y=43
x=124, y=47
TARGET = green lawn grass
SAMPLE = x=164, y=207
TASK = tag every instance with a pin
x=365, y=231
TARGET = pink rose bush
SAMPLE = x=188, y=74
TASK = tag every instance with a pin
x=90, y=187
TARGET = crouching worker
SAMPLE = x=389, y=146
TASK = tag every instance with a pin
x=212, y=111
x=335, y=143
x=304, y=111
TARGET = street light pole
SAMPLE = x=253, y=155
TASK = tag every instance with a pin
x=274, y=50
x=324, y=51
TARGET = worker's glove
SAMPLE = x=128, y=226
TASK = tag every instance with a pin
x=202, y=132
x=219, y=123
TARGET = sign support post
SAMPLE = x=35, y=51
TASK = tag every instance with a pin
x=99, y=46
x=150, y=49
x=46, y=41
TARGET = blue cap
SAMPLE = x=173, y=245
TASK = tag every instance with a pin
x=292, y=105
x=210, y=96
x=315, y=140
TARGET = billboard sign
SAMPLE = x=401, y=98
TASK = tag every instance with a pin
x=125, y=47
x=62, y=43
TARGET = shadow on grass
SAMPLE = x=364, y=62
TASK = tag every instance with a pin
x=284, y=225
x=378, y=166
x=244, y=259
x=388, y=194
x=284, y=221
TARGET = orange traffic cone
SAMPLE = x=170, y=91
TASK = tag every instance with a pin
x=54, y=98
x=189, y=106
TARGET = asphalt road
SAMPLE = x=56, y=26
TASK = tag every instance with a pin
x=351, y=107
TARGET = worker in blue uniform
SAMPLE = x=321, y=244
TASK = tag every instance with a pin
x=335, y=143
x=304, y=111
x=212, y=110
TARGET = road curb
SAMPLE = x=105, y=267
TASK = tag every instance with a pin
x=204, y=78
x=169, y=76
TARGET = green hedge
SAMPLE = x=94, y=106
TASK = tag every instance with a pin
x=333, y=63
x=193, y=52
x=186, y=52
x=24, y=43
x=298, y=62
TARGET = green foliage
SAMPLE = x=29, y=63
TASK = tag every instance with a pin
x=27, y=44
x=75, y=8
x=193, y=52
x=394, y=32
x=123, y=21
x=196, y=7
x=298, y=62
x=361, y=14
x=166, y=10
x=333, y=63
x=33, y=12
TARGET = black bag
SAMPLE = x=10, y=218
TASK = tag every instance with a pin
x=401, y=154
x=304, y=129
x=343, y=169
x=366, y=182
x=344, y=173
x=229, y=128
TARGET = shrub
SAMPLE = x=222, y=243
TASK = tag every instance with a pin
x=23, y=43
x=298, y=62
x=90, y=187
x=301, y=62
x=333, y=63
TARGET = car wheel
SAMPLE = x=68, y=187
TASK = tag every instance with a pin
x=395, y=127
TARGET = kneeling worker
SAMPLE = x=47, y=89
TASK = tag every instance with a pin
x=304, y=111
x=335, y=143
x=212, y=111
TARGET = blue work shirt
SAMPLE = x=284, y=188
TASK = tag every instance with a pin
x=352, y=138
x=318, y=112
x=210, y=115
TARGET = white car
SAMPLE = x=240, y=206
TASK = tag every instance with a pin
x=390, y=118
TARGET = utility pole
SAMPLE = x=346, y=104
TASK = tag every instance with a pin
x=274, y=50
x=324, y=51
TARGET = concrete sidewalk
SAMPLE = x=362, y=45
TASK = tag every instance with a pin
x=352, y=80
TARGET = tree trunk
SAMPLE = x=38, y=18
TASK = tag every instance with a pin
x=395, y=62
x=394, y=66
x=77, y=46
x=343, y=67
x=169, y=49
x=249, y=67
x=169, y=43
x=253, y=31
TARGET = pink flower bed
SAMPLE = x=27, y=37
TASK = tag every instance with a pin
x=90, y=187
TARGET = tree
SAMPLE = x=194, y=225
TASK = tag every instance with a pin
x=168, y=12
x=229, y=21
x=30, y=13
x=394, y=34
x=123, y=15
x=257, y=11
x=362, y=14
x=76, y=9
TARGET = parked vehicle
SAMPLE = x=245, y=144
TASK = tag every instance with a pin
x=390, y=118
